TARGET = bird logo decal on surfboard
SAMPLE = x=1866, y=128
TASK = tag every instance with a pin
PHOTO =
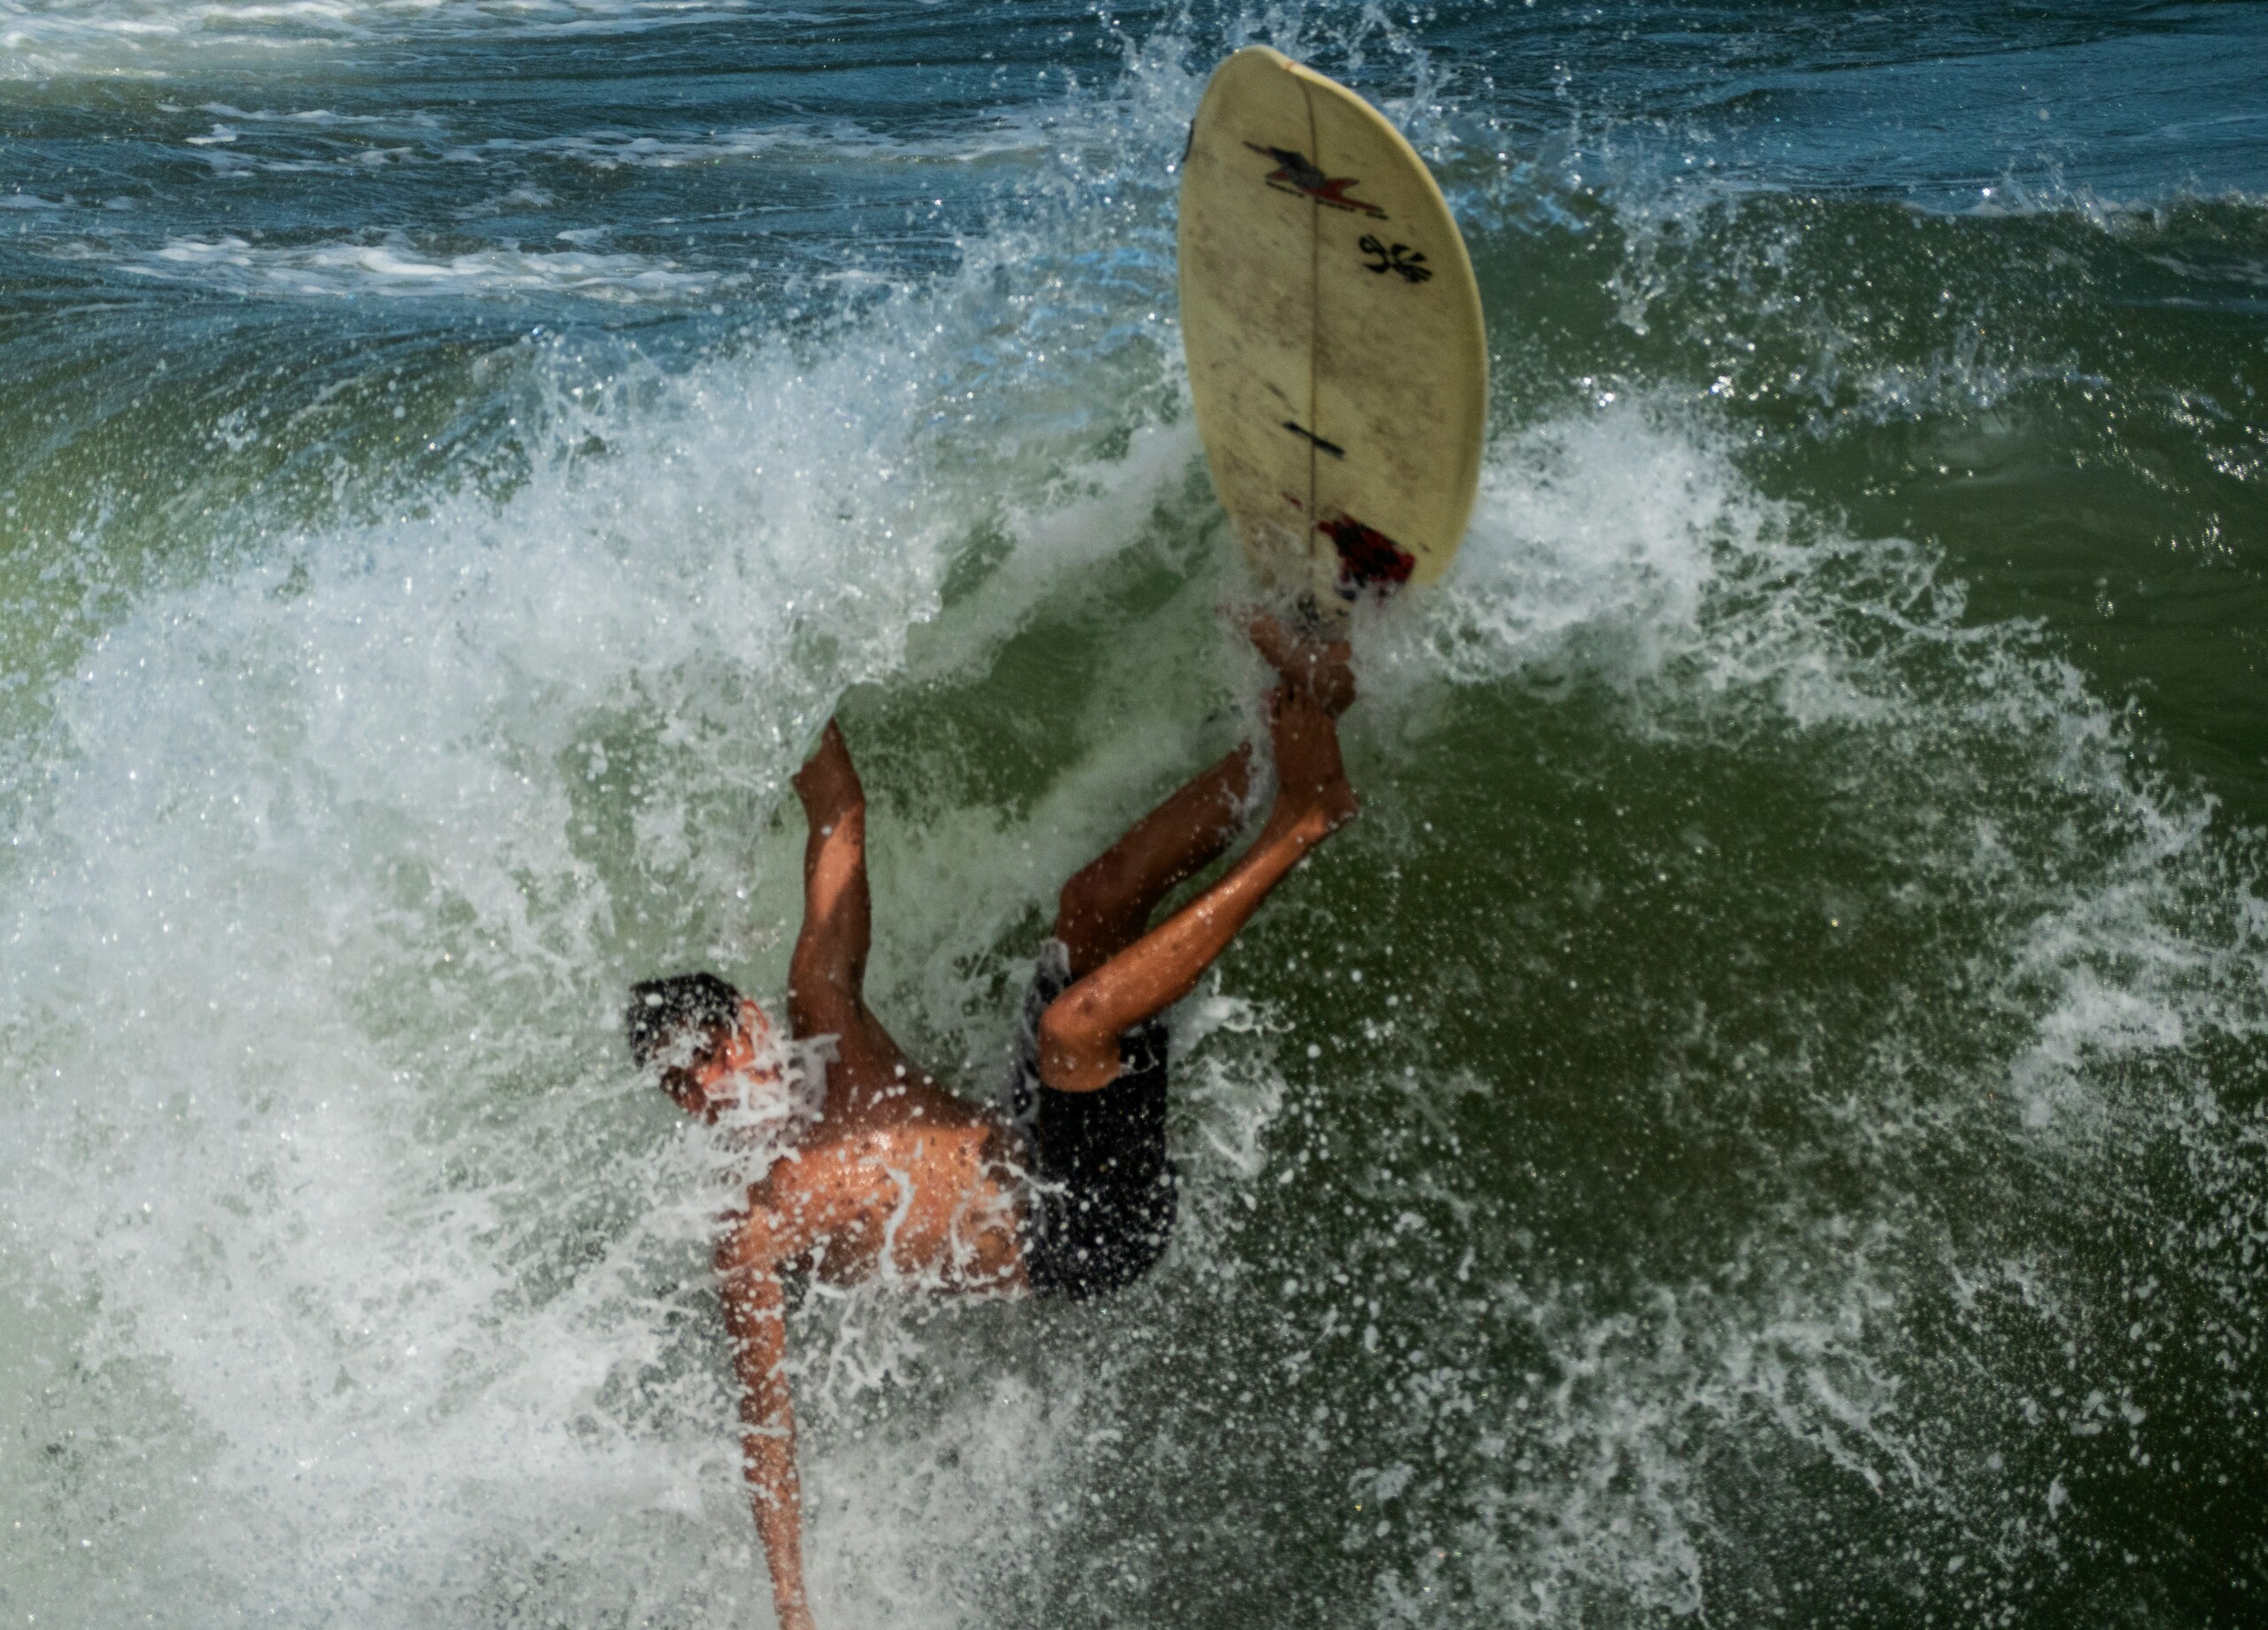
x=1295, y=175
x=1338, y=362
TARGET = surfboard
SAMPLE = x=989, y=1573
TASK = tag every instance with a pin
x=1336, y=350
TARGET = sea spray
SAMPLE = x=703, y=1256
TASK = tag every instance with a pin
x=1757, y=1120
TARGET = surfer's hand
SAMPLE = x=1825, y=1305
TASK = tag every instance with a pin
x=1321, y=670
x=795, y=1617
x=829, y=781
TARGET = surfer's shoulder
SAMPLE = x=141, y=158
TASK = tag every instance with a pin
x=767, y=1232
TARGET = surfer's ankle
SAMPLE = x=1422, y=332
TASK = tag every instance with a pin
x=1307, y=816
x=1321, y=670
x=1330, y=805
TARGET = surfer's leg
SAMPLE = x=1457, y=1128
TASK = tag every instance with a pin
x=1105, y=908
x=1107, y=904
x=1078, y=1035
x=826, y=975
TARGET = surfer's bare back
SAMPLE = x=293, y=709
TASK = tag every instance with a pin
x=1064, y=1192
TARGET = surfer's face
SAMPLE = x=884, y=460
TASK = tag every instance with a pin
x=737, y=1062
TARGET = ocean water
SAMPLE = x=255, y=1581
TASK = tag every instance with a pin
x=1764, y=1121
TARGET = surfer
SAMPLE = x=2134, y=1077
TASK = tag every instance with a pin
x=1066, y=1191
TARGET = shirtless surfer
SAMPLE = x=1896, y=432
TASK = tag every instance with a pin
x=1064, y=1191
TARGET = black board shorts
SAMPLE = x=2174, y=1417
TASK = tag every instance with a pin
x=1102, y=1194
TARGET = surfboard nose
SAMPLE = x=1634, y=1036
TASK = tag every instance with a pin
x=1338, y=356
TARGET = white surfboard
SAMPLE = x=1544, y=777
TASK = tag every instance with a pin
x=1333, y=332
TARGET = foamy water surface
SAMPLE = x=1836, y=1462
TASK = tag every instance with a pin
x=1759, y=1123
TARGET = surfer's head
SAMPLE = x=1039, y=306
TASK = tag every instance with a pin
x=711, y=1043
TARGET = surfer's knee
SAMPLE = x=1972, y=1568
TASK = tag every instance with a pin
x=1078, y=1052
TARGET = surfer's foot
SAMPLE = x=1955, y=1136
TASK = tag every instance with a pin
x=1313, y=795
x=1322, y=670
x=828, y=783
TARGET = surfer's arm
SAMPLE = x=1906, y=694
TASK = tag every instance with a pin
x=755, y=1314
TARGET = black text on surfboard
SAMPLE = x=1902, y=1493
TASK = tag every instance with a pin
x=1400, y=258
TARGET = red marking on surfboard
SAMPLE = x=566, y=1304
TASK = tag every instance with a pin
x=1294, y=174
x=1294, y=503
x=1367, y=557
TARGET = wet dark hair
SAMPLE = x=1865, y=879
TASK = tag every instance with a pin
x=661, y=1010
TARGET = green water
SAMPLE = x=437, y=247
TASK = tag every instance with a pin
x=1761, y=1122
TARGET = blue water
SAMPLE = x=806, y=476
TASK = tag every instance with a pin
x=1761, y=1122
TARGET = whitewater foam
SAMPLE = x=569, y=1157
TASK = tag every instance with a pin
x=342, y=1230
x=842, y=140
x=396, y=269
x=336, y=846
x=151, y=38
